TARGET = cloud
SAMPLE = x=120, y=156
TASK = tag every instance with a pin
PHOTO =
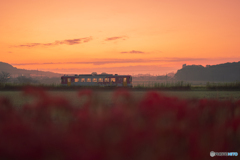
x=119, y=61
x=75, y=41
x=149, y=65
x=116, y=38
x=29, y=45
x=133, y=52
x=156, y=69
x=66, y=42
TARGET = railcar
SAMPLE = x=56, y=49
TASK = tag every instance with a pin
x=101, y=80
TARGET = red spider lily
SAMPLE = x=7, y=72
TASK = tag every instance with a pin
x=156, y=127
x=7, y=111
x=91, y=105
x=236, y=109
x=5, y=103
x=86, y=92
x=89, y=94
x=35, y=92
x=121, y=93
x=18, y=141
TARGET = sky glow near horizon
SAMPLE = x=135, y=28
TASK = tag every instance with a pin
x=125, y=37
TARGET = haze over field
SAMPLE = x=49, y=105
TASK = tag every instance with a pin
x=125, y=37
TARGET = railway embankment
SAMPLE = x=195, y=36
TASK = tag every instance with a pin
x=208, y=87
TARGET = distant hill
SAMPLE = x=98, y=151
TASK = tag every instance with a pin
x=15, y=72
x=222, y=72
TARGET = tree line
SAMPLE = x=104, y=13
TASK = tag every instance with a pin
x=228, y=72
x=5, y=77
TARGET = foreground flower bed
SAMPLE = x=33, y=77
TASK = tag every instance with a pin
x=155, y=127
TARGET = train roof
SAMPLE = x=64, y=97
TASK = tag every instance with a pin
x=77, y=75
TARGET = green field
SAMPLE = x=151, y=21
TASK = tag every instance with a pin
x=18, y=99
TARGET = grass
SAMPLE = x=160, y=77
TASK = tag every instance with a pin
x=180, y=85
x=223, y=86
x=105, y=96
x=165, y=85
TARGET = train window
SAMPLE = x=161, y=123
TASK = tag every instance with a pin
x=106, y=79
x=89, y=80
x=113, y=79
x=130, y=79
x=100, y=80
x=69, y=79
x=94, y=79
x=63, y=80
x=82, y=79
x=76, y=79
x=124, y=79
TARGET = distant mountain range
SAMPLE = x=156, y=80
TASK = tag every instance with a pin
x=222, y=72
x=15, y=72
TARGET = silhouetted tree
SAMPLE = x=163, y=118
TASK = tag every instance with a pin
x=220, y=72
x=26, y=80
x=4, y=77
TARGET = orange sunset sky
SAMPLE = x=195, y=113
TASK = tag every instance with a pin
x=124, y=37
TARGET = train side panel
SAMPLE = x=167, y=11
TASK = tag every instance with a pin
x=100, y=80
